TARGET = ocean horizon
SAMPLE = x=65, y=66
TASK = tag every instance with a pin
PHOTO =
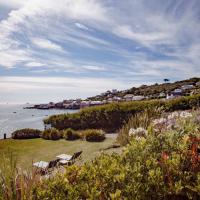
x=14, y=117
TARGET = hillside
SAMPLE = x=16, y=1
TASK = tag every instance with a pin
x=153, y=91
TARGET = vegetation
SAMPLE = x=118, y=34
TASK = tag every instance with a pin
x=33, y=150
x=26, y=134
x=163, y=164
x=51, y=134
x=15, y=184
x=151, y=91
x=93, y=135
x=112, y=117
x=70, y=134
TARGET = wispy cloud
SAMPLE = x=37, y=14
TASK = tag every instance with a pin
x=46, y=44
x=133, y=40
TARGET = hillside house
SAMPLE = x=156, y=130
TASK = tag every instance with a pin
x=114, y=91
x=138, y=98
x=174, y=94
x=110, y=100
x=198, y=83
x=162, y=95
x=115, y=98
x=186, y=87
x=128, y=97
x=84, y=104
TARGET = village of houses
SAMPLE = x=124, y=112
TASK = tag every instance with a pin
x=114, y=95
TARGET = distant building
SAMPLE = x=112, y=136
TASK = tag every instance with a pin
x=162, y=95
x=138, y=98
x=177, y=91
x=95, y=103
x=170, y=96
x=110, y=100
x=174, y=94
x=128, y=97
x=84, y=104
x=114, y=91
x=198, y=83
x=115, y=98
x=186, y=87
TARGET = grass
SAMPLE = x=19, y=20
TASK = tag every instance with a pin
x=33, y=150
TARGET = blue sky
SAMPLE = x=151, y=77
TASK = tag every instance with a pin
x=52, y=50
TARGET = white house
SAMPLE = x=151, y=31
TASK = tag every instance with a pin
x=110, y=100
x=178, y=91
x=114, y=91
x=128, y=97
x=162, y=94
x=170, y=96
x=84, y=104
x=186, y=87
x=115, y=98
x=198, y=83
x=138, y=98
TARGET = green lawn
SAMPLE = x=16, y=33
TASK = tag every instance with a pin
x=33, y=150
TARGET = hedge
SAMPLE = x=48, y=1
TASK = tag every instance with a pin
x=93, y=135
x=111, y=117
x=51, y=134
x=70, y=134
x=26, y=134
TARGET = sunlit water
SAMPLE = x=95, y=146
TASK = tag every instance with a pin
x=13, y=117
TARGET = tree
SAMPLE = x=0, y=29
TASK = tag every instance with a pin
x=166, y=80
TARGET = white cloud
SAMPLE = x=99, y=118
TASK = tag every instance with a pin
x=81, y=26
x=34, y=64
x=93, y=68
x=12, y=3
x=53, y=88
x=46, y=44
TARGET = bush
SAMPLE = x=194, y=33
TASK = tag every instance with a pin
x=26, y=134
x=158, y=166
x=70, y=134
x=112, y=117
x=51, y=134
x=93, y=135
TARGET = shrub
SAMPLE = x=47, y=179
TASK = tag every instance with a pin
x=51, y=134
x=93, y=135
x=26, y=134
x=142, y=119
x=159, y=166
x=70, y=134
x=112, y=117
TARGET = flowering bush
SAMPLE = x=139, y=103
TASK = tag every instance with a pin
x=162, y=165
x=138, y=132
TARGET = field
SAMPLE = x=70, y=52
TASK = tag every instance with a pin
x=33, y=150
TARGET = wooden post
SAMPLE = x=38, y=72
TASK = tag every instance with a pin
x=4, y=136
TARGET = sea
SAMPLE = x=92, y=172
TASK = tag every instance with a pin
x=14, y=117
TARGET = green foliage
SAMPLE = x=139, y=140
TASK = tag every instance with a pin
x=93, y=135
x=15, y=184
x=51, y=134
x=26, y=134
x=70, y=134
x=112, y=117
x=140, y=172
x=142, y=119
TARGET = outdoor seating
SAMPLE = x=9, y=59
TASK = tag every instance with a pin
x=44, y=167
x=69, y=159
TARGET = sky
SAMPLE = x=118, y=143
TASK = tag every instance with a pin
x=54, y=50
